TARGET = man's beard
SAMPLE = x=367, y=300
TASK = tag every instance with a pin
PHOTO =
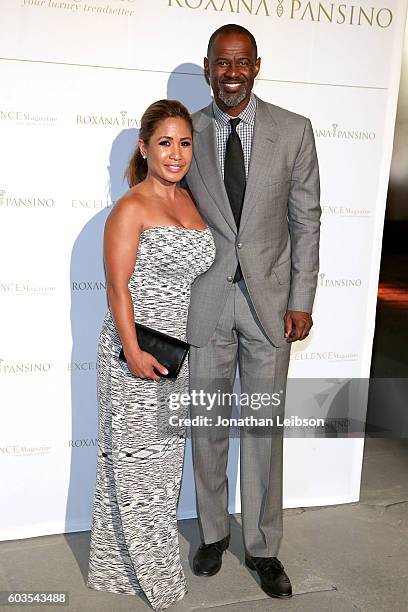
x=232, y=100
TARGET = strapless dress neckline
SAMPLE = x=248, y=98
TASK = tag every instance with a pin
x=188, y=229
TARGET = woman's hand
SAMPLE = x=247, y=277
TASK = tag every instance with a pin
x=141, y=364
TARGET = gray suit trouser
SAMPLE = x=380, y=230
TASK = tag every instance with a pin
x=240, y=339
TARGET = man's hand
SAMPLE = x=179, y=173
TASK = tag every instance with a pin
x=297, y=325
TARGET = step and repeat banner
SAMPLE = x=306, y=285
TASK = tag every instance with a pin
x=76, y=76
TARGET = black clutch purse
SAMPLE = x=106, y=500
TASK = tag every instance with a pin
x=169, y=351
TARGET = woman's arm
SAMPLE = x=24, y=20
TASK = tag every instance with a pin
x=121, y=241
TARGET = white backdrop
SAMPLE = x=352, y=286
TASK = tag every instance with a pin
x=76, y=77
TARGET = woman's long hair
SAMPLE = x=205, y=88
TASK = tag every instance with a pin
x=136, y=171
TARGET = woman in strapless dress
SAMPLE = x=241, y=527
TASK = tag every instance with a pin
x=155, y=244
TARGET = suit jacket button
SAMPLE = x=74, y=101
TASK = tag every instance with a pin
x=229, y=279
x=239, y=245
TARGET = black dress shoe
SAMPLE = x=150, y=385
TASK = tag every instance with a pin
x=208, y=558
x=274, y=581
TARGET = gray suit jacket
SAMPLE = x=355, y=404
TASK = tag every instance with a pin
x=278, y=240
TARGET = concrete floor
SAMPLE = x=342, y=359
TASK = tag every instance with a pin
x=344, y=558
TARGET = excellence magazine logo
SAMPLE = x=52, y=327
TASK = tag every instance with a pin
x=23, y=450
x=19, y=116
x=344, y=211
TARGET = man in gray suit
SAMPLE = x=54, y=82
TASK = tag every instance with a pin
x=255, y=179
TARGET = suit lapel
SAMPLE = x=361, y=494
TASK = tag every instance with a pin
x=206, y=156
x=264, y=146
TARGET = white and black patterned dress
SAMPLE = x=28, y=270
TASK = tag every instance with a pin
x=134, y=537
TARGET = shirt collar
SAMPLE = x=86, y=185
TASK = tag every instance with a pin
x=247, y=115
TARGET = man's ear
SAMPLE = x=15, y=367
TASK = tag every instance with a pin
x=257, y=66
x=207, y=70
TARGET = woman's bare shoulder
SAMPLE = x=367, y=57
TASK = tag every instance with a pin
x=130, y=207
